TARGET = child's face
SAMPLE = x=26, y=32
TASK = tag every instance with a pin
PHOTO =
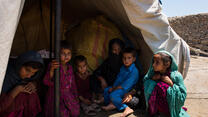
x=158, y=65
x=65, y=55
x=116, y=49
x=27, y=72
x=128, y=59
x=82, y=67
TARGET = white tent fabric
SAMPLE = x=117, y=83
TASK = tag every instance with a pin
x=132, y=16
x=154, y=26
x=146, y=16
x=10, y=12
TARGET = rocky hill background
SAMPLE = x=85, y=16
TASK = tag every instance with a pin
x=194, y=30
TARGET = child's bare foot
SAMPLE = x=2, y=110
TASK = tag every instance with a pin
x=108, y=107
x=127, y=112
x=93, y=96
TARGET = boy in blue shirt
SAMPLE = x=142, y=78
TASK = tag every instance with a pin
x=126, y=79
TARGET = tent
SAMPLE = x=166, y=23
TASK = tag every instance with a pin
x=140, y=20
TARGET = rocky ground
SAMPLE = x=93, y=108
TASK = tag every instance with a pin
x=197, y=89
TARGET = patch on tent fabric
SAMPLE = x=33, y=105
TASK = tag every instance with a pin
x=91, y=39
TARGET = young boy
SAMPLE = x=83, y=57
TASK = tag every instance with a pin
x=82, y=76
x=126, y=79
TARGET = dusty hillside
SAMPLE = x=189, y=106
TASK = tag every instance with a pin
x=193, y=29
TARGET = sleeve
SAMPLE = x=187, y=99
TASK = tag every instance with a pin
x=47, y=80
x=7, y=85
x=5, y=101
x=176, y=95
x=131, y=81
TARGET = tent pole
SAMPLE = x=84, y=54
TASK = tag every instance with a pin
x=57, y=48
x=51, y=29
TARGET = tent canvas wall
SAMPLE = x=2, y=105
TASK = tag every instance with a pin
x=140, y=20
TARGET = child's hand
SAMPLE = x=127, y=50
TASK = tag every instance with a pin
x=127, y=98
x=18, y=89
x=118, y=87
x=167, y=80
x=30, y=88
x=156, y=77
x=103, y=83
x=54, y=65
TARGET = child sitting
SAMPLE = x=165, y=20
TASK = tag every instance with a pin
x=19, y=97
x=164, y=89
x=82, y=81
x=126, y=79
x=69, y=103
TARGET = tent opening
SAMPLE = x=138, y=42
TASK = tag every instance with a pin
x=139, y=23
x=33, y=31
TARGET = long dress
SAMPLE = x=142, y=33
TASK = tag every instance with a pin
x=157, y=102
x=69, y=101
x=24, y=105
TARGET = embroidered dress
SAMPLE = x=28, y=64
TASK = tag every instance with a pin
x=157, y=102
x=69, y=102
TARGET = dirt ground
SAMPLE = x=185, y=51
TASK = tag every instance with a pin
x=197, y=91
x=197, y=87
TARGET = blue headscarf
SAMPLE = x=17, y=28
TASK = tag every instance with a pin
x=12, y=77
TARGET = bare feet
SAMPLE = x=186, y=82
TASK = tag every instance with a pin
x=108, y=107
x=127, y=112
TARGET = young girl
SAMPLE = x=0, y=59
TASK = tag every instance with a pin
x=69, y=102
x=106, y=73
x=164, y=89
x=83, y=86
x=18, y=96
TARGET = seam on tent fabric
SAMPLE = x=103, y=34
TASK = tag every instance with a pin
x=96, y=43
x=105, y=43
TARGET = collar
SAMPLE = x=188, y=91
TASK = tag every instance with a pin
x=130, y=68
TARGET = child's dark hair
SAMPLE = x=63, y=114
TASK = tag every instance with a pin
x=130, y=50
x=115, y=41
x=34, y=65
x=65, y=45
x=79, y=58
x=165, y=58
